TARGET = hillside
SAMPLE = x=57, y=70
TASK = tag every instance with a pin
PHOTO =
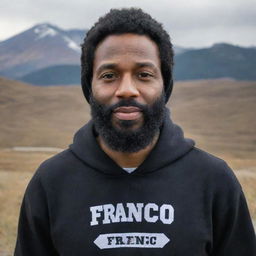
x=218, y=114
x=54, y=75
x=38, y=116
x=219, y=61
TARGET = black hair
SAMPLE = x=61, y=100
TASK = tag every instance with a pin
x=120, y=21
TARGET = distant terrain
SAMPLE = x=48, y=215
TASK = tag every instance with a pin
x=41, y=46
x=218, y=61
x=48, y=55
x=54, y=75
x=218, y=114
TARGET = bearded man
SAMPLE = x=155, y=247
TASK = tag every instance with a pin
x=131, y=184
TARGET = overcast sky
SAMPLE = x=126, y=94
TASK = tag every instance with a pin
x=191, y=23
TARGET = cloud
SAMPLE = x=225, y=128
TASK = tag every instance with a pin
x=216, y=20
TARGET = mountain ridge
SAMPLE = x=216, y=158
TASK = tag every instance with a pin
x=220, y=60
x=29, y=55
x=41, y=46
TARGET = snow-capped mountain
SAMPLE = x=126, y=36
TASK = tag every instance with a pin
x=77, y=35
x=47, y=55
x=40, y=46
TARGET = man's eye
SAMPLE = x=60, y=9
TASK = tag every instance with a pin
x=145, y=75
x=108, y=76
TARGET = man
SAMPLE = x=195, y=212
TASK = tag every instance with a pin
x=131, y=184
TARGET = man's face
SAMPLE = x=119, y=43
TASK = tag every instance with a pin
x=127, y=86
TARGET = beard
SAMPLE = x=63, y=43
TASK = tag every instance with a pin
x=123, y=138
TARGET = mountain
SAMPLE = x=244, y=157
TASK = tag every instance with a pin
x=77, y=35
x=54, y=75
x=219, y=61
x=40, y=46
x=178, y=49
x=48, y=55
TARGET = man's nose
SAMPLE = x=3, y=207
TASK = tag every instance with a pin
x=127, y=88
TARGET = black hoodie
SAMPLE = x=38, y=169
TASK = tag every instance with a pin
x=180, y=201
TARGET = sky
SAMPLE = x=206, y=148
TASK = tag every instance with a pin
x=190, y=23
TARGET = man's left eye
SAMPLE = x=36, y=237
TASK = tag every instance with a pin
x=108, y=76
x=144, y=75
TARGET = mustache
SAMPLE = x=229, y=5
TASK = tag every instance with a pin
x=125, y=103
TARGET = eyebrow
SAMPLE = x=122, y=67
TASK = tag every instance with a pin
x=146, y=64
x=106, y=66
x=113, y=66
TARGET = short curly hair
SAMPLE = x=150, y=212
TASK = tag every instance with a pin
x=120, y=21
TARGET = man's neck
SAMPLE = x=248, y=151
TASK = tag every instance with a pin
x=128, y=159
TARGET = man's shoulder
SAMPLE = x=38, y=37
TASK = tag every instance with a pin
x=60, y=159
x=203, y=157
x=57, y=165
x=213, y=168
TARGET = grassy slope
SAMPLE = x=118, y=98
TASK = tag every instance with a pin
x=218, y=114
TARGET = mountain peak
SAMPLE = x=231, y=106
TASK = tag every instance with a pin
x=45, y=25
x=45, y=29
x=224, y=46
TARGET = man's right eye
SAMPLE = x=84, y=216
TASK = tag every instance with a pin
x=108, y=76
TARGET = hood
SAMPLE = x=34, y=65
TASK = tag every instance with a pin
x=171, y=146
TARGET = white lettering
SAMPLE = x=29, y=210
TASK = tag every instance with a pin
x=95, y=210
x=147, y=209
x=166, y=214
x=120, y=213
x=131, y=212
x=134, y=212
x=109, y=210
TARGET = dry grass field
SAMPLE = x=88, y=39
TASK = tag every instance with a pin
x=218, y=114
x=16, y=169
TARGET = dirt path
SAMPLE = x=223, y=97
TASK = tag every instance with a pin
x=36, y=149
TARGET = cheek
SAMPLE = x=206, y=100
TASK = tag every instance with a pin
x=151, y=93
x=101, y=93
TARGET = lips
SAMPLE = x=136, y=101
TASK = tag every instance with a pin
x=127, y=113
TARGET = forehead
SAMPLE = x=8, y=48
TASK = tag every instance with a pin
x=127, y=45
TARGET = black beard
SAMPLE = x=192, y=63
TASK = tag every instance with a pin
x=123, y=138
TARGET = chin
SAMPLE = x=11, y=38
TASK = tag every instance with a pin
x=127, y=125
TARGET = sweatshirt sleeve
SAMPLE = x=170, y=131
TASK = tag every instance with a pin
x=233, y=232
x=34, y=236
